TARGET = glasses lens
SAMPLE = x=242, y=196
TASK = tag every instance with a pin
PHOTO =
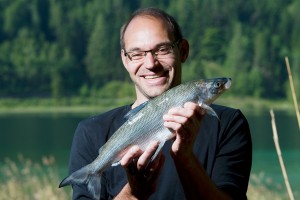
x=164, y=50
x=136, y=55
x=160, y=52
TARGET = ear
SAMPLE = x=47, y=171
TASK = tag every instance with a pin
x=184, y=50
x=124, y=59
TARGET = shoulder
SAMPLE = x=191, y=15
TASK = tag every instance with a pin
x=231, y=124
x=91, y=133
x=226, y=111
x=104, y=119
x=229, y=115
x=96, y=129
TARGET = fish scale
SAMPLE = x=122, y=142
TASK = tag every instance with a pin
x=145, y=124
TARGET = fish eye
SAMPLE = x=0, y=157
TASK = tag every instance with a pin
x=218, y=84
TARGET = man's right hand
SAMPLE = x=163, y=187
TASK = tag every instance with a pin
x=142, y=174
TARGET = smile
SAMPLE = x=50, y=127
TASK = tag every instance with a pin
x=151, y=77
x=154, y=76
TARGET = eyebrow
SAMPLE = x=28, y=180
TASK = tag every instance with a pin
x=155, y=47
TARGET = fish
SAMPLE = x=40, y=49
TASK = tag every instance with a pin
x=145, y=124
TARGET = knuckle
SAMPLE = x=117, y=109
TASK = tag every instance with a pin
x=140, y=165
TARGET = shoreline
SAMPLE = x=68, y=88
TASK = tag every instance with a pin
x=89, y=105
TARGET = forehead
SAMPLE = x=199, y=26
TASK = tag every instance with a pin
x=146, y=31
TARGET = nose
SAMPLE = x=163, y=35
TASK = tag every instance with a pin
x=150, y=60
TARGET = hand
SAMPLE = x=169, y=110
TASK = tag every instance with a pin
x=142, y=175
x=185, y=123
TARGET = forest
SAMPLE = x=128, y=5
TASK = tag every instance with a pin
x=62, y=48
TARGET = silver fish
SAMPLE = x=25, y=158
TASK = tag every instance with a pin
x=145, y=124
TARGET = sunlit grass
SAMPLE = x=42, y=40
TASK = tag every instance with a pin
x=27, y=180
x=264, y=188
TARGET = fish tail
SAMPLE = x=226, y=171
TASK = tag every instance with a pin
x=82, y=176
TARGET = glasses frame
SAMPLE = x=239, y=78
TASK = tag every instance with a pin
x=152, y=51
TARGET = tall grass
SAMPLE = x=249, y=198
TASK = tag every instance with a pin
x=262, y=187
x=27, y=180
x=24, y=179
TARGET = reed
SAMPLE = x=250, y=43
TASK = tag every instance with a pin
x=275, y=137
x=293, y=90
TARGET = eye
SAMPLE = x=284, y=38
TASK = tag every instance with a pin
x=133, y=54
x=163, y=50
x=218, y=84
x=136, y=55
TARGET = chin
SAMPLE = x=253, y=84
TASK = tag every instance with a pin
x=157, y=91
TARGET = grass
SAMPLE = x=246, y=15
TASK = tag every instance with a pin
x=26, y=180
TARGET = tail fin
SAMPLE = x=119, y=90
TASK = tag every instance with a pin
x=82, y=176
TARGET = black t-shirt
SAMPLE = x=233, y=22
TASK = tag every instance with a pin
x=223, y=146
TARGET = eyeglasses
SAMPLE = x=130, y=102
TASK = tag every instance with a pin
x=159, y=52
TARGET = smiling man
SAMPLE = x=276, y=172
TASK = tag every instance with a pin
x=151, y=55
x=208, y=159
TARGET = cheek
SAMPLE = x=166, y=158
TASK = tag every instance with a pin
x=175, y=67
x=132, y=69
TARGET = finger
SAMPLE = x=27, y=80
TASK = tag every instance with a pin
x=180, y=111
x=195, y=107
x=157, y=170
x=132, y=153
x=144, y=159
x=191, y=105
x=189, y=109
x=154, y=164
x=174, y=126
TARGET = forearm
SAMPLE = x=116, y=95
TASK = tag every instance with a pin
x=125, y=194
x=195, y=181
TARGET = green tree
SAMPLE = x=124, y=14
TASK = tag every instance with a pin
x=98, y=59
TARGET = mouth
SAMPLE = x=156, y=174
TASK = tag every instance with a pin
x=152, y=77
x=155, y=76
x=157, y=79
x=228, y=84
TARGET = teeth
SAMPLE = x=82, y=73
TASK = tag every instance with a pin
x=151, y=77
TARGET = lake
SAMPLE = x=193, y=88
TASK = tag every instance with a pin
x=35, y=135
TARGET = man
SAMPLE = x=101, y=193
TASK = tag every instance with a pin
x=208, y=159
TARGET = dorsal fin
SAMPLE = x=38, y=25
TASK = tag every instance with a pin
x=135, y=110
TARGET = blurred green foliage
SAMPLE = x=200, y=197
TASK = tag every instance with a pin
x=61, y=48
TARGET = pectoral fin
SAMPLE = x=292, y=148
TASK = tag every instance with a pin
x=209, y=110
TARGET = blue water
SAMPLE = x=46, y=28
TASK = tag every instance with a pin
x=265, y=158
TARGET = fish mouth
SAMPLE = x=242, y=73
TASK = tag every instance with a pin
x=228, y=83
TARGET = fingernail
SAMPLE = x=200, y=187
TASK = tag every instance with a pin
x=134, y=149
